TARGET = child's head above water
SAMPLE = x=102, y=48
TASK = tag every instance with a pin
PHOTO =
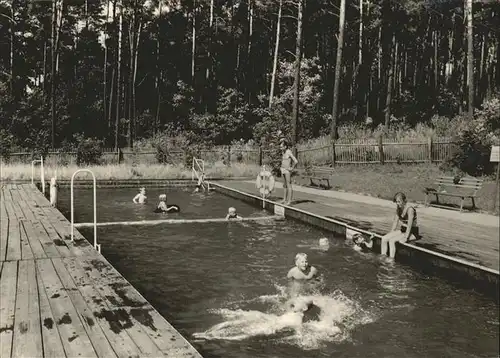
x=142, y=190
x=231, y=211
x=163, y=197
x=301, y=261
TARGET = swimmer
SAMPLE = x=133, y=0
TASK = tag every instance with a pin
x=162, y=206
x=361, y=243
x=324, y=244
x=140, y=198
x=302, y=270
x=231, y=214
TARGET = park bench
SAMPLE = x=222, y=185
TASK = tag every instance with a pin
x=319, y=175
x=463, y=188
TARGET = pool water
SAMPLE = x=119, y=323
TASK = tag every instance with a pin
x=222, y=285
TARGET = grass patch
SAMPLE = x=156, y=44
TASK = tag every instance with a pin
x=383, y=181
x=124, y=171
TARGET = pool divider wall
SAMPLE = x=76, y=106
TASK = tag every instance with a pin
x=459, y=272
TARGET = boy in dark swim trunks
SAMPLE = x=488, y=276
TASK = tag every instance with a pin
x=361, y=243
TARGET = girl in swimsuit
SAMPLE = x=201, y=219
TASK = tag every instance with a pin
x=162, y=206
x=407, y=216
x=286, y=171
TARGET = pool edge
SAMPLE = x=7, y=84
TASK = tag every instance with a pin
x=458, y=271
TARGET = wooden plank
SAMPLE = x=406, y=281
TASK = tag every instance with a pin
x=26, y=253
x=101, y=344
x=4, y=237
x=52, y=344
x=105, y=335
x=27, y=331
x=28, y=213
x=50, y=248
x=56, y=239
x=33, y=239
x=118, y=295
x=35, y=208
x=73, y=335
x=11, y=213
x=8, y=284
x=80, y=247
x=14, y=241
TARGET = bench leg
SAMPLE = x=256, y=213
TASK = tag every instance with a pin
x=312, y=184
x=473, y=203
x=328, y=186
x=462, y=205
x=437, y=199
x=426, y=198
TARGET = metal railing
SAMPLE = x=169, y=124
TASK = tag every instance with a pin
x=42, y=173
x=199, y=166
x=96, y=245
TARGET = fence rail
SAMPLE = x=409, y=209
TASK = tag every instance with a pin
x=340, y=152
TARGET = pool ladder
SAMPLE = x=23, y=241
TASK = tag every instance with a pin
x=96, y=245
x=198, y=165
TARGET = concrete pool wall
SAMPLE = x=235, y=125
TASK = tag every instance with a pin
x=458, y=271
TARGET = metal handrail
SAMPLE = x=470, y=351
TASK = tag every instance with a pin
x=194, y=172
x=42, y=172
x=96, y=245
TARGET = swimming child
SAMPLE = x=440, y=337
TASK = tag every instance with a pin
x=302, y=270
x=140, y=198
x=361, y=243
x=324, y=244
x=162, y=206
x=231, y=214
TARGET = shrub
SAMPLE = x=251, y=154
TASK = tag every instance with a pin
x=89, y=151
x=5, y=144
x=474, y=139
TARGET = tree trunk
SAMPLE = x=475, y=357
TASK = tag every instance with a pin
x=131, y=43
x=338, y=64
x=193, y=48
x=105, y=68
x=470, y=60
x=134, y=79
x=53, y=74
x=210, y=40
x=388, y=99
x=118, y=77
x=298, y=58
x=11, y=57
x=436, y=61
x=276, y=52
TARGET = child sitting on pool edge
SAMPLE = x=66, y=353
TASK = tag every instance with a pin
x=162, y=206
x=140, y=198
x=232, y=215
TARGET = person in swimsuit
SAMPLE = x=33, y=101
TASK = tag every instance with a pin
x=162, y=206
x=407, y=216
x=302, y=270
x=140, y=198
x=232, y=215
x=361, y=243
x=288, y=164
x=201, y=183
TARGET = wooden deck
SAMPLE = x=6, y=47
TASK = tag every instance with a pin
x=473, y=242
x=63, y=299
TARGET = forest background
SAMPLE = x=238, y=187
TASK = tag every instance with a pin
x=166, y=73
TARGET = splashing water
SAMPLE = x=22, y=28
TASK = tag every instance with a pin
x=338, y=315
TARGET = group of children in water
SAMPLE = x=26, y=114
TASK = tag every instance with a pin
x=163, y=207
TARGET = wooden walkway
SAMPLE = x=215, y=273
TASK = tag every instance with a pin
x=474, y=242
x=63, y=299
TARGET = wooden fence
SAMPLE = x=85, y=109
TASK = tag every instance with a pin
x=340, y=152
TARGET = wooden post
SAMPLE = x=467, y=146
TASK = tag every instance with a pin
x=228, y=155
x=429, y=148
x=381, y=149
x=260, y=155
x=333, y=153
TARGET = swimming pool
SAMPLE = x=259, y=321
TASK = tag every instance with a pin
x=221, y=285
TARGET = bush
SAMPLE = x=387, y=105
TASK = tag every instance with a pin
x=89, y=151
x=6, y=143
x=474, y=139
